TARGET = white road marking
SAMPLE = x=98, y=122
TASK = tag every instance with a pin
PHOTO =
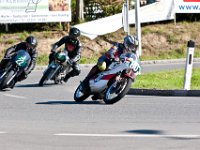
x=15, y=96
x=129, y=135
x=1, y=132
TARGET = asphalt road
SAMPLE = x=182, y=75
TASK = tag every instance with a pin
x=47, y=118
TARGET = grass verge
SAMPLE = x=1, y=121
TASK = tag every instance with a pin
x=168, y=80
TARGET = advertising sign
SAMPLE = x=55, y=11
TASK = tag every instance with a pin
x=187, y=6
x=35, y=11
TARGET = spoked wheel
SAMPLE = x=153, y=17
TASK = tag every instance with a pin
x=79, y=95
x=44, y=78
x=117, y=90
x=8, y=76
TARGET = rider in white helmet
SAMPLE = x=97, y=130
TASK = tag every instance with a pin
x=130, y=44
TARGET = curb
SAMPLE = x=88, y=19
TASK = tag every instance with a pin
x=155, y=92
x=183, y=60
x=81, y=65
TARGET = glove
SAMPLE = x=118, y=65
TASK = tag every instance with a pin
x=115, y=59
x=9, y=56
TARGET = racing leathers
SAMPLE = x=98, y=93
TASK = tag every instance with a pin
x=73, y=50
x=111, y=55
x=12, y=50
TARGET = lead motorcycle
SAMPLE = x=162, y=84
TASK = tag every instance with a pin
x=17, y=64
x=114, y=83
x=57, y=69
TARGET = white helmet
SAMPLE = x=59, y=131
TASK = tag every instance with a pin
x=131, y=43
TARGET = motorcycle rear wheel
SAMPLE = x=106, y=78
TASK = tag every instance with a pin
x=120, y=92
x=80, y=96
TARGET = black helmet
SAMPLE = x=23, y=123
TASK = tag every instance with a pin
x=131, y=43
x=74, y=33
x=32, y=41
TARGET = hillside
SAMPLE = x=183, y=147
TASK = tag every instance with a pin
x=163, y=40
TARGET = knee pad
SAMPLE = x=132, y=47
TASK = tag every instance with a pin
x=101, y=66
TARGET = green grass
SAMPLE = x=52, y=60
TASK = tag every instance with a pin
x=42, y=60
x=168, y=80
x=85, y=60
x=10, y=41
x=173, y=54
x=23, y=35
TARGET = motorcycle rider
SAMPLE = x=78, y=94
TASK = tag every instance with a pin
x=29, y=45
x=73, y=47
x=130, y=44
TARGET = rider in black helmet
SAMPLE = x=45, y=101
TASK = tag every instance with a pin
x=73, y=47
x=29, y=45
x=32, y=41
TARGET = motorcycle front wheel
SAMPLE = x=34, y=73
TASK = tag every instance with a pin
x=45, y=76
x=7, y=77
x=79, y=95
x=117, y=90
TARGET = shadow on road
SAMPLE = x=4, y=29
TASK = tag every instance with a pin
x=71, y=103
x=27, y=85
x=36, y=85
x=163, y=134
x=145, y=131
x=4, y=90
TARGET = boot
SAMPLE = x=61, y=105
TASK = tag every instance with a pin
x=66, y=78
x=85, y=84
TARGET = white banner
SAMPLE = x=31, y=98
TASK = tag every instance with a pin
x=35, y=11
x=187, y=6
x=160, y=11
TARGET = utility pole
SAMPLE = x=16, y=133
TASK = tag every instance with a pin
x=6, y=27
x=127, y=16
x=79, y=10
x=138, y=25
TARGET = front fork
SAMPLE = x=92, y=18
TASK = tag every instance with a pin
x=55, y=67
x=13, y=79
x=124, y=74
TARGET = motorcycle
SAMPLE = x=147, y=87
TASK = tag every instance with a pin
x=112, y=84
x=57, y=69
x=17, y=64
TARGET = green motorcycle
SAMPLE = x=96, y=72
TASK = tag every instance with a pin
x=17, y=64
x=57, y=69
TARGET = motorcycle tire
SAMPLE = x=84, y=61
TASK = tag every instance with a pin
x=77, y=96
x=7, y=77
x=120, y=92
x=44, y=78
